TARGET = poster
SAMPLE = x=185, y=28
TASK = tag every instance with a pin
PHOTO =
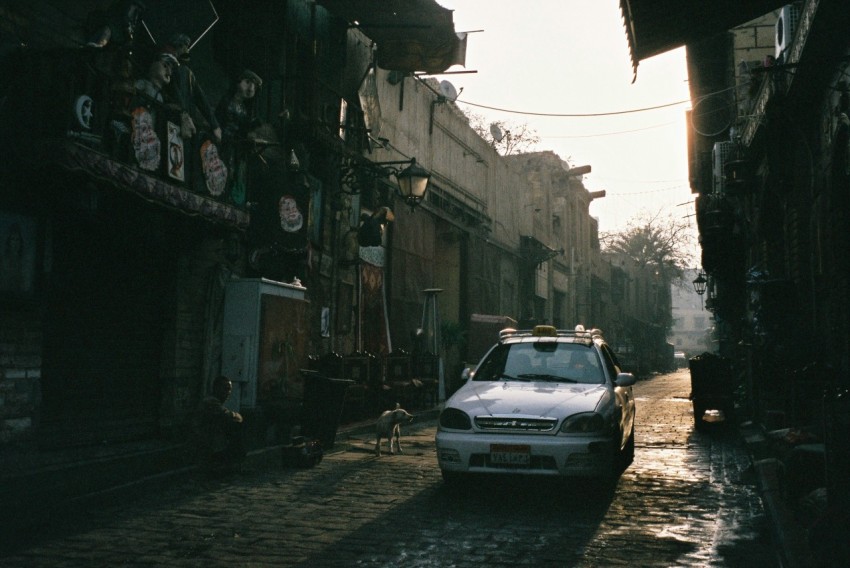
x=175, y=153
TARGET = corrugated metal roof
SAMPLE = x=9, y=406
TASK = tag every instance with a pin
x=657, y=26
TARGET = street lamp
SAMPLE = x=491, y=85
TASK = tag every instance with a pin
x=700, y=283
x=412, y=181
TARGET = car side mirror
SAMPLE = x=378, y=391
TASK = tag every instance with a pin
x=625, y=380
x=466, y=374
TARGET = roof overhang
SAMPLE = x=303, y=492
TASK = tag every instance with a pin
x=410, y=35
x=534, y=251
x=657, y=26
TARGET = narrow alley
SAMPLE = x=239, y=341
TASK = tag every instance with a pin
x=689, y=499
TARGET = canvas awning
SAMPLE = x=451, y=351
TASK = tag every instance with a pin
x=657, y=26
x=410, y=35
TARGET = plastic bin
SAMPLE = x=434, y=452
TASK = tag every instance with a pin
x=323, y=401
x=712, y=386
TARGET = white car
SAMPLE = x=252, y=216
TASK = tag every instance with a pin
x=541, y=402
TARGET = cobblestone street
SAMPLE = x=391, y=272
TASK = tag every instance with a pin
x=688, y=499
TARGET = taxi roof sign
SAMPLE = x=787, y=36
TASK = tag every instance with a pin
x=544, y=331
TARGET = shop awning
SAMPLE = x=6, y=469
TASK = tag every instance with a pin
x=80, y=158
x=657, y=26
x=535, y=251
x=410, y=35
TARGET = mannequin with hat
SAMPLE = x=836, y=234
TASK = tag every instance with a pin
x=144, y=106
x=237, y=115
x=188, y=92
x=159, y=74
x=236, y=112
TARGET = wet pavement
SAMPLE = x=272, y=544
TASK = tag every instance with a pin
x=689, y=499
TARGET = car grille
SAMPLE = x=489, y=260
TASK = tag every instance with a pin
x=508, y=423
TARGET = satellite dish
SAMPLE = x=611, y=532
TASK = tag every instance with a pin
x=712, y=115
x=496, y=132
x=448, y=90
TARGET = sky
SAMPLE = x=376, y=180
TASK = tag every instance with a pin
x=557, y=57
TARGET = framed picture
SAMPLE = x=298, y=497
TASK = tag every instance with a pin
x=19, y=242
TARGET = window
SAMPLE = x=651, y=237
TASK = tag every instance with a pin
x=610, y=360
x=559, y=300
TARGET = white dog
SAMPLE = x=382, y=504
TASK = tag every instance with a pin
x=389, y=426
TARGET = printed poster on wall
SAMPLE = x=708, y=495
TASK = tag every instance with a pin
x=146, y=144
x=175, y=153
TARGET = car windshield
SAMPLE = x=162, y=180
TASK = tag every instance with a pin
x=542, y=361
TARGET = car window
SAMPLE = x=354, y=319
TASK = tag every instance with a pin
x=610, y=361
x=541, y=361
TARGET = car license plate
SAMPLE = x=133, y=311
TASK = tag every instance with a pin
x=510, y=454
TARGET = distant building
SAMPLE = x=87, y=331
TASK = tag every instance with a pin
x=692, y=323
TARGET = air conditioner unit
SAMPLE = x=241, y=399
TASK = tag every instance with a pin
x=720, y=154
x=786, y=27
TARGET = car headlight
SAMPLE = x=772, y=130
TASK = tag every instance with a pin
x=454, y=419
x=584, y=423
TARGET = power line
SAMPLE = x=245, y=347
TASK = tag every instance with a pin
x=594, y=114
x=585, y=115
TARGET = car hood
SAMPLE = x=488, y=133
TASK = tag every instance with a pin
x=526, y=398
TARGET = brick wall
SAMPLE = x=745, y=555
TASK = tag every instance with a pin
x=20, y=372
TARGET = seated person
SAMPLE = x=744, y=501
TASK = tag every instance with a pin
x=217, y=429
x=584, y=368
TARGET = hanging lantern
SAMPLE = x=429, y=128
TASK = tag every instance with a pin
x=700, y=283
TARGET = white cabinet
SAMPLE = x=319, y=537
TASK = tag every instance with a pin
x=263, y=332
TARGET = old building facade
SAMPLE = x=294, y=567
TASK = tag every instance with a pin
x=768, y=149
x=146, y=255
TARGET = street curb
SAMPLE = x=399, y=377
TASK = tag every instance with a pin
x=368, y=427
x=789, y=537
x=270, y=456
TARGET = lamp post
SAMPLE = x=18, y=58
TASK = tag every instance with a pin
x=700, y=283
x=431, y=329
